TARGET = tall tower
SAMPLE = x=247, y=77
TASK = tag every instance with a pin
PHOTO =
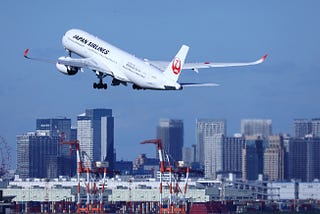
x=59, y=127
x=232, y=154
x=95, y=133
x=213, y=155
x=274, y=159
x=304, y=159
x=55, y=127
x=258, y=127
x=37, y=155
x=171, y=133
x=210, y=134
x=315, y=123
x=252, y=158
x=302, y=127
x=207, y=128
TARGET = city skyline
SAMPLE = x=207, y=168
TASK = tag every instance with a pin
x=277, y=157
x=213, y=123
x=284, y=87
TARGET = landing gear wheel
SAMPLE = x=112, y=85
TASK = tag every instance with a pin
x=100, y=85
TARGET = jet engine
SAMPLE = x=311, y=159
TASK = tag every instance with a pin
x=68, y=70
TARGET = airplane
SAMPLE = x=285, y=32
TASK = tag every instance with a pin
x=105, y=59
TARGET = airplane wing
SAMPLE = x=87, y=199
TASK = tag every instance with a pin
x=68, y=61
x=197, y=66
x=79, y=63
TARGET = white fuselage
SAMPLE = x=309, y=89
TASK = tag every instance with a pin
x=115, y=62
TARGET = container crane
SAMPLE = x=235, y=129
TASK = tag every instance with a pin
x=165, y=167
x=89, y=169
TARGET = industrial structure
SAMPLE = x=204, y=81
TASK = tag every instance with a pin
x=173, y=206
x=94, y=201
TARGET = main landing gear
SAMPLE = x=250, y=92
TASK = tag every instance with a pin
x=100, y=85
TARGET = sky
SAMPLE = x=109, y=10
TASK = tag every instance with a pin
x=286, y=86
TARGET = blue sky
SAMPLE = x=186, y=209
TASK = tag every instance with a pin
x=285, y=87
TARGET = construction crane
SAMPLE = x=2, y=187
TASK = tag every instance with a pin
x=89, y=169
x=165, y=167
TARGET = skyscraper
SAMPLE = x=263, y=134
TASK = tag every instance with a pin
x=274, y=159
x=252, y=158
x=315, y=124
x=207, y=128
x=95, y=133
x=304, y=159
x=232, y=154
x=187, y=155
x=171, y=133
x=258, y=127
x=37, y=155
x=55, y=127
x=302, y=127
x=61, y=128
x=213, y=155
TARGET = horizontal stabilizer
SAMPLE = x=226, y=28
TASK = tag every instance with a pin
x=199, y=84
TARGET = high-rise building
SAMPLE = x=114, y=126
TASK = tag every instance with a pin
x=286, y=143
x=274, y=159
x=55, y=127
x=60, y=127
x=213, y=159
x=304, y=159
x=232, y=154
x=171, y=133
x=187, y=155
x=315, y=124
x=302, y=127
x=205, y=129
x=252, y=158
x=95, y=133
x=258, y=127
x=37, y=155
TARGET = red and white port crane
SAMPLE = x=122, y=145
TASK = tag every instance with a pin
x=91, y=189
x=165, y=167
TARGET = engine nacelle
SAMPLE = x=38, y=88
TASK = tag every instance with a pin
x=68, y=70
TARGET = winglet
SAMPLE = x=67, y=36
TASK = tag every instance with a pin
x=25, y=54
x=261, y=60
x=264, y=57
